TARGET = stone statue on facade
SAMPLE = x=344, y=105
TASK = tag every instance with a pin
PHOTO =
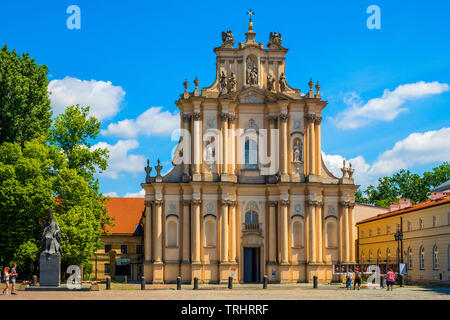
x=297, y=151
x=51, y=236
x=282, y=82
x=252, y=72
x=270, y=82
x=232, y=82
x=223, y=82
x=274, y=41
x=227, y=39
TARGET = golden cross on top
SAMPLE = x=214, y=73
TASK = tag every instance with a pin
x=250, y=13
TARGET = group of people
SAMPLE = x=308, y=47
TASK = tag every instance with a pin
x=390, y=280
x=10, y=276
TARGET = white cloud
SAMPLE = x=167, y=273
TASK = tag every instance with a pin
x=119, y=158
x=111, y=194
x=416, y=149
x=152, y=121
x=103, y=97
x=387, y=107
x=139, y=194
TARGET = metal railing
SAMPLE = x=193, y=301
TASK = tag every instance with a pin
x=252, y=227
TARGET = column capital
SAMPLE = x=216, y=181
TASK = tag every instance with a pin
x=310, y=117
x=283, y=117
x=148, y=203
x=232, y=117
x=187, y=116
x=231, y=203
x=196, y=116
x=314, y=203
x=158, y=202
x=273, y=203
x=318, y=119
x=196, y=201
x=284, y=203
x=224, y=116
x=224, y=202
x=347, y=204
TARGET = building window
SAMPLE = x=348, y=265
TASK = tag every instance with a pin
x=370, y=233
x=370, y=255
x=139, y=248
x=123, y=249
x=251, y=154
x=107, y=268
x=420, y=223
x=388, y=255
x=409, y=225
x=107, y=248
x=379, y=256
x=398, y=226
x=448, y=258
x=331, y=234
x=362, y=233
x=378, y=230
x=435, y=221
x=388, y=229
x=421, y=258
x=435, y=258
x=409, y=258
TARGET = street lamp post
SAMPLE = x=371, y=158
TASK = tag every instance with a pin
x=399, y=238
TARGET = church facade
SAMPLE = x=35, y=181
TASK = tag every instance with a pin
x=249, y=194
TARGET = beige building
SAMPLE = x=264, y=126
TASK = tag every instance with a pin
x=249, y=194
x=426, y=238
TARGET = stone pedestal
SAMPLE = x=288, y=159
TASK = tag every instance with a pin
x=50, y=270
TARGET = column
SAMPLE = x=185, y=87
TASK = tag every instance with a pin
x=346, y=235
x=341, y=235
x=319, y=232
x=197, y=142
x=272, y=231
x=232, y=119
x=224, y=117
x=186, y=233
x=232, y=212
x=284, y=231
x=311, y=143
x=187, y=144
x=284, y=141
x=352, y=232
x=224, y=252
x=318, y=146
x=158, y=244
x=195, y=244
x=148, y=231
x=312, y=232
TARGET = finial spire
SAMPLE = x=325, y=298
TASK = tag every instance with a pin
x=250, y=13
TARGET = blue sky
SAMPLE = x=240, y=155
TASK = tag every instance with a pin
x=129, y=58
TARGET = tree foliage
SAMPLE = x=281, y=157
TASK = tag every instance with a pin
x=25, y=111
x=404, y=184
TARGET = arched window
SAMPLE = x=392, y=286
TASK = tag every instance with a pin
x=210, y=231
x=172, y=232
x=379, y=256
x=331, y=237
x=251, y=217
x=409, y=258
x=251, y=154
x=297, y=233
x=422, y=258
x=370, y=255
x=388, y=255
x=435, y=258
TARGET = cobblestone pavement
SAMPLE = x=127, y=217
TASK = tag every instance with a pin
x=239, y=292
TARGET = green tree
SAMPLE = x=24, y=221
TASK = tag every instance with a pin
x=404, y=184
x=25, y=111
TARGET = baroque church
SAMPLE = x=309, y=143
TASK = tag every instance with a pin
x=249, y=194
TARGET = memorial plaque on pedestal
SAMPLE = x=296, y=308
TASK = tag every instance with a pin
x=49, y=270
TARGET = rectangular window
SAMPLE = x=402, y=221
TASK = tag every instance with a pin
x=107, y=248
x=435, y=221
x=124, y=249
x=378, y=231
x=106, y=268
x=409, y=225
x=139, y=248
x=388, y=229
x=420, y=223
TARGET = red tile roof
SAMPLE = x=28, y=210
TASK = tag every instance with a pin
x=127, y=213
x=418, y=206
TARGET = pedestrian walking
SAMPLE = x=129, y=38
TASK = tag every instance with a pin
x=357, y=281
x=390, y=279
x=6, y=277
x=13, y=276
x=348, y=283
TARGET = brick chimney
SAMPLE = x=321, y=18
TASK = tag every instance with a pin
x=404, y=203
x=393, y=206
x=439, y=195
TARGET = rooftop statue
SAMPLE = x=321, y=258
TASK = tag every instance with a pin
x=282, y=82
x=275, y=40
x=51, y=236
x=227, y=39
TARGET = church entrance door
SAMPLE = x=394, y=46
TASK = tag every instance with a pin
x=251, y=265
